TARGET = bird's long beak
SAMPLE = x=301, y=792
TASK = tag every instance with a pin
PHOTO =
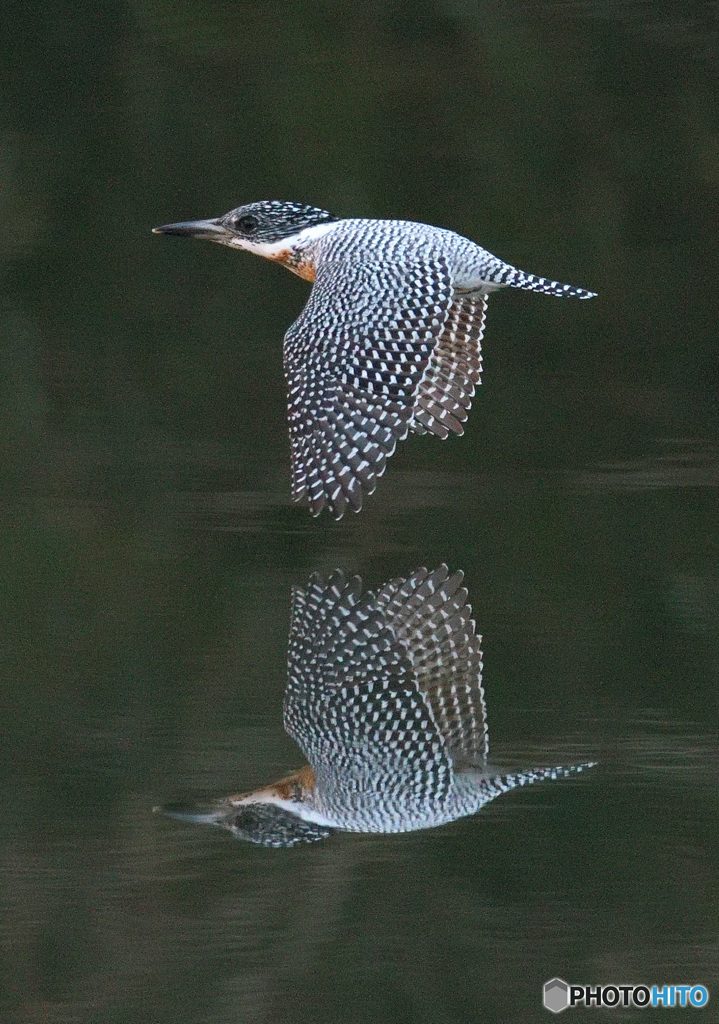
x=201, y=816
x=213, y=230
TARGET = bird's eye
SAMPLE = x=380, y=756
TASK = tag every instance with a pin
x=247, y=225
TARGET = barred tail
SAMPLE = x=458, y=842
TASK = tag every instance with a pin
x=530, y=282
x=504, y=783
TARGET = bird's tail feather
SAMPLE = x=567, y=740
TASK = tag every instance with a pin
x=530, y=282
x=524, y=778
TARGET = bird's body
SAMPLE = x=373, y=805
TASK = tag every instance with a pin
x=382, y=805
x=384, y=696
x=388, y=343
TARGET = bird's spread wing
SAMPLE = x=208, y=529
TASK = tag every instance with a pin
x=429, y=615
x=454, y=370
x=355, y=360
x=384, y=688
x=351, y=702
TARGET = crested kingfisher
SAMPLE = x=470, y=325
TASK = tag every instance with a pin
x=388, y=343
x=384, y=697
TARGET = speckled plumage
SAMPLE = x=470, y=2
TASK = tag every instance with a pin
x=388, y=343
x=384, y=697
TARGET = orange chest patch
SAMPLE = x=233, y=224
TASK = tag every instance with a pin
x=305, y=270
x=302, y=267
x=292, y=787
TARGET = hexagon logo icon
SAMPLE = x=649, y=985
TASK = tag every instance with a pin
x=556, y=995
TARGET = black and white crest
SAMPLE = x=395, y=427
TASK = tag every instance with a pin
x=273, y=220
x=269, y=825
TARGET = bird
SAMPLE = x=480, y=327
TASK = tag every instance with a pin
x=384, y=697
x=388, y=344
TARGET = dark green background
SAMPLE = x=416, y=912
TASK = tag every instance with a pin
x=149, y=544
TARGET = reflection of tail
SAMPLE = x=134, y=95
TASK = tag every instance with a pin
x=503, y=783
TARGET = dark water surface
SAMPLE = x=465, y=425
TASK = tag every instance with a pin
x=149, y=544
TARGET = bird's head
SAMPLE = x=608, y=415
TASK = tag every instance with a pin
x=277, y=815
x=268, y=823
x=268, y=229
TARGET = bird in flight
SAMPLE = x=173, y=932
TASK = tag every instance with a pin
x=388, y=343
x=384, y=697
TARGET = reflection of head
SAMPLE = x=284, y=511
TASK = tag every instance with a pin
x=270, y=825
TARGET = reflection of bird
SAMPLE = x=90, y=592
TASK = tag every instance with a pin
x=384, y=696
x=389, y=341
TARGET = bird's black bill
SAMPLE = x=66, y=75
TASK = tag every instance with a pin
x=185, y=812
x=212, y=230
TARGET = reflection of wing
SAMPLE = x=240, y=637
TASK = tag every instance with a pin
x=354, y=360
x=430, y=616
x=385, y=687
x=350, y=701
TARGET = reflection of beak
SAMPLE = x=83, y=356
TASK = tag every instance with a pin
x=200, y=817
x=213, y=230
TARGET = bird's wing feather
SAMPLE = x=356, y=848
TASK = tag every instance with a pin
x=385, y=687
x=453, y=372
x=430, y=617
x=351, y=702
x=355, y=360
